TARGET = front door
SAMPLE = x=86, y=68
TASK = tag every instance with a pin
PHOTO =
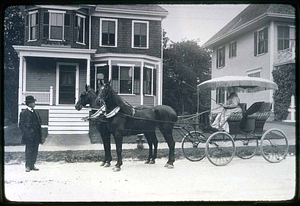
x=67, y=84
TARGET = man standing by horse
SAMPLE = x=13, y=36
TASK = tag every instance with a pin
x=30, y=125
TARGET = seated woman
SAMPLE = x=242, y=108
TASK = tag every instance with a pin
x=231, y=106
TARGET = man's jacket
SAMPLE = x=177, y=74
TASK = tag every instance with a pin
x=31, y=129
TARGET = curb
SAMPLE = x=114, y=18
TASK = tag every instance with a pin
x=84, y=147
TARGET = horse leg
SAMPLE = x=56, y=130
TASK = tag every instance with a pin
x=155, y=144
x=119, y=141
x=107, y=150
x=166, y=130
x=149, y=140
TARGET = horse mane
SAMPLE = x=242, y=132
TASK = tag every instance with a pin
x=125, y=107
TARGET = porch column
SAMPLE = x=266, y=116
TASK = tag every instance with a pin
x=88, y=71
x=20, y=79
x=109, y=70
x=142, y=83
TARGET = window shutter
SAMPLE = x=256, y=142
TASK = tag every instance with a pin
x=86, y=31
x=266, y=38
x=27, y=27
x=255, y=43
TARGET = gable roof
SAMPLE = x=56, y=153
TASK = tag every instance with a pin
x=249, y=14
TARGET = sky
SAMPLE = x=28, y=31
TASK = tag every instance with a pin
x=198, y=22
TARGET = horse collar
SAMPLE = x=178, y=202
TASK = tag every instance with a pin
x=112, y=113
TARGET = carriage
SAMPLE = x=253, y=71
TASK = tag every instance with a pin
x=117, y=117
x=246, y=136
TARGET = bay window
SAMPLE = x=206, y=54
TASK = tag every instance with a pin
x=261, y=41
x=149, y=81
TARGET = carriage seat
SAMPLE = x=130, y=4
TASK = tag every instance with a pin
x=233, y=120
x=261, y=117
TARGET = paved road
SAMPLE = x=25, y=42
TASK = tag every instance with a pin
x=253, y=179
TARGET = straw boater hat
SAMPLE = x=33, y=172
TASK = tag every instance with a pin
x=30, y=99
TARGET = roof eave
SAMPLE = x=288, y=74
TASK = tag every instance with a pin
x=128, y=11
x=260, y=18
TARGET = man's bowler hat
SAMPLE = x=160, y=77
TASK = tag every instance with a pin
x=30, y=99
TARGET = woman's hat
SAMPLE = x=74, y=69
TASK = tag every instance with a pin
x=30, y=99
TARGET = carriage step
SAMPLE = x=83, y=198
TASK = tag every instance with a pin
x=67, y=120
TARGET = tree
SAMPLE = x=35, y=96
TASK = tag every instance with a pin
x=186, y=64
x=13, y=35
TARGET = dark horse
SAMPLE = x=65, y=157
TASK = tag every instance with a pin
x=141, y=119
x=88, y=97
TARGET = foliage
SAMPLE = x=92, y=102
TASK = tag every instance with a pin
x=285, y=77
x=186, y=64
x=13, y=35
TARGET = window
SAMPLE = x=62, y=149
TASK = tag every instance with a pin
x=254, y=72
x=33, y=25
x=149, y=81
x=126, y=79
x=283, y=35
x=80, y=29
x=232, y=49
x=221, y=57
x=140, y=34
x=108, y=32
x=261, y=41
x=56, y=25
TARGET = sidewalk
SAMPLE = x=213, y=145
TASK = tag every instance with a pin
x=82, y=142
x=77, y=142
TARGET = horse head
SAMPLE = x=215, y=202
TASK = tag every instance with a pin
x=86, y=97
x=104, y=92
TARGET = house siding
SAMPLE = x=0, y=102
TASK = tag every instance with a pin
x=124, y=41
x=243, y=62
x=40, y=75
x=134, y=100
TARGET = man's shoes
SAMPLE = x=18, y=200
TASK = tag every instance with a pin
x=27, y=169
x=35, y=169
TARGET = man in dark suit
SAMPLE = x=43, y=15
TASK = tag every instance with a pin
x=30, y=125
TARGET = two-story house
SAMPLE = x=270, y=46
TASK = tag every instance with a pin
x=256, y=41
x=67, y=47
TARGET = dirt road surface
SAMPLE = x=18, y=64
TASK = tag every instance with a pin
x=253, y=179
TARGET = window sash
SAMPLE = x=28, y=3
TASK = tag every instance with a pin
x=140, y=35
x=108, y=32
x=283, y=37
x=147, y=84
x=126, y=79
x=56, y=26
x=221, y=57
x=80, y=29
x=33, y=25
x=232, y=49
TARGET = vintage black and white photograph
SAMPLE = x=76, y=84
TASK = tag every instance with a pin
x=149, y=102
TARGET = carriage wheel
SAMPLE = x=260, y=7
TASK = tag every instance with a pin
x=220, y=148
x=193, y=146
x=274, y=145
x=246, y=145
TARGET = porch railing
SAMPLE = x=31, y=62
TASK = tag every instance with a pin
x=287, y=54
x=41, y=97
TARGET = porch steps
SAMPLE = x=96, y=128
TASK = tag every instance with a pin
x=67, y=120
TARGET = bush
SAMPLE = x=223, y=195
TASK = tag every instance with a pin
x=285, y=77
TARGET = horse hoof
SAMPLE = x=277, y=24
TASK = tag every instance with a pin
x=102, y=164
x=152, y=162
x=116, y=169
x=107, y=164
x=147, y=162
x=169, y=166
